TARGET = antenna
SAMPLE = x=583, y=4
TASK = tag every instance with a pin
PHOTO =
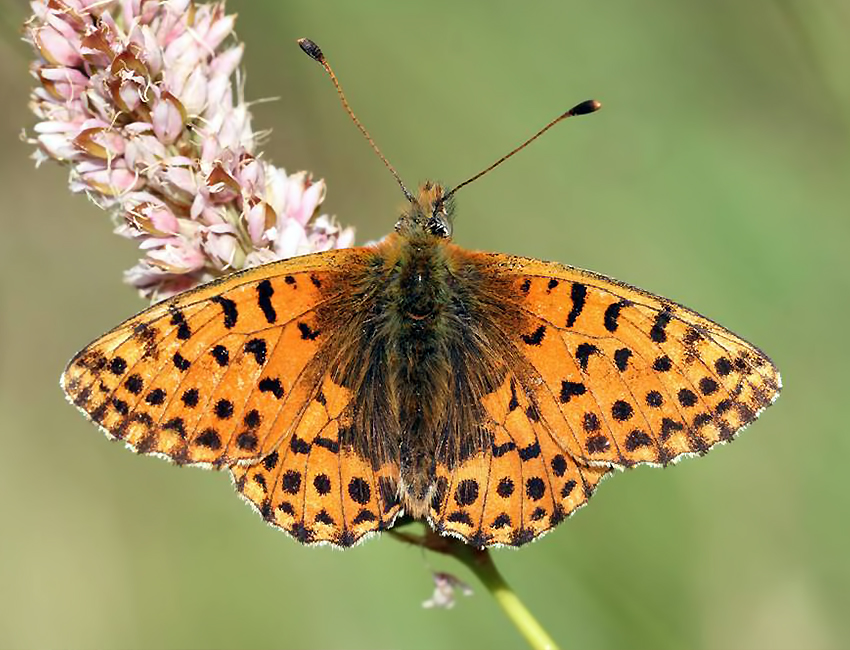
x=314, y=52
x=589, y=106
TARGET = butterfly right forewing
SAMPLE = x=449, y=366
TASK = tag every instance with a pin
x=636, y=378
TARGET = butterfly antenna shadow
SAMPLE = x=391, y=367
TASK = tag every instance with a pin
x=314, y=52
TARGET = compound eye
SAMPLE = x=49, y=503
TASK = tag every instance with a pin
x=439, y=227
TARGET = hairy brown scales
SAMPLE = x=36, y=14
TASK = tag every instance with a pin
x=420, y=336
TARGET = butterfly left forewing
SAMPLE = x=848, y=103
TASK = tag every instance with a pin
x=208, y=377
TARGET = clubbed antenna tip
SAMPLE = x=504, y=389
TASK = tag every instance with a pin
x=589, y=106
x=315, y=52
x=311, y=49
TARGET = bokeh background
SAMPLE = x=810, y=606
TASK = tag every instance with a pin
x=718, y=174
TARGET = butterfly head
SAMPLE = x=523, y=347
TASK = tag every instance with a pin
x=429, y=214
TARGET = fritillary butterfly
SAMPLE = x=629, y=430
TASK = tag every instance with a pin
x=484, y=393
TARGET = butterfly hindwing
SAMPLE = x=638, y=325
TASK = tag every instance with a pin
x=314, y=486
x=521, y=487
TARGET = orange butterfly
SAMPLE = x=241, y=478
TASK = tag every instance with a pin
x=485, y=393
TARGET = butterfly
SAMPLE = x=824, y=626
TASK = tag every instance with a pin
x=484, y=393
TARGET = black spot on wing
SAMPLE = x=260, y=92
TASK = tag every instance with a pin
x=723, y=366
x=326, y=443
x=668, y=426
x=120, y=406
x=559, y=465
x=178, y=319
x=257, y=348
x=536, y=337
x=637, y=439
x=322, y=484
x=364, y=516
x=270, y=461
x=535, y=488
x=291, y=481
x=228, y=308
x=359, y=491
x=570, y=389
x=252, y=419
x=117, y=366
x=504, y=448
x=307, y=333
x=687, y=397
x=224, y=409
x=209, y=438
x=180, y=362
x=583, y=352
x=271, y=385
x=707, y=385
x=529, y=452
x=460, y=517
x=621, y=410
x=654, y=399
x=612, y=313
x=221, y=355
x=299, y=445
x=658, y=331
x=597, y=444
x=590, y=422
x=514, y=402
x=176, y=425
x=155, y=397
x=578, y=294
x=466, y=492
x=662, y=364
x=190, y=397
x=265, y=291
x=247, y=441
x=621, y=358
x=505, y=488
x=134, y=384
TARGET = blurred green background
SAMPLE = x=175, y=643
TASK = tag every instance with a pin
x=718, y=174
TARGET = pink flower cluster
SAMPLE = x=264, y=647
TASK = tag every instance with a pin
x=136, y=97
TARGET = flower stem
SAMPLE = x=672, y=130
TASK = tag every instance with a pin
x=482, y=565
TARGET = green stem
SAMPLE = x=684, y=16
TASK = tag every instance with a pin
x=481, y=564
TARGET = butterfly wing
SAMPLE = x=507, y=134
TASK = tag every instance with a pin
x=314, y=486
x=232, y=374
x=637, y=378
x=216, y=375
x=611, y=377
x=521, y=487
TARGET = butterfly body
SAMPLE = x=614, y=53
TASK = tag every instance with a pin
x=410, y=346
x=484, y=393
